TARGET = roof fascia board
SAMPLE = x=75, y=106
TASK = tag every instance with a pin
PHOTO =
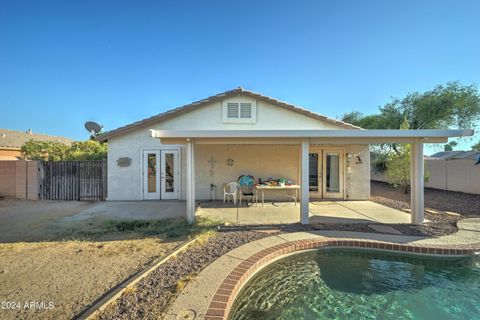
x=353, y=134
x=313, y=141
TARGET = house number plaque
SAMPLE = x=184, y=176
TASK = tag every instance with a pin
x=124, y=162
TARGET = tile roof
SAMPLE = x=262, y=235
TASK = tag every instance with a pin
x=445, y=155
x=11, y=139
x=218, y=97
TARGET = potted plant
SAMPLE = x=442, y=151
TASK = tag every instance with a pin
x=282, y=182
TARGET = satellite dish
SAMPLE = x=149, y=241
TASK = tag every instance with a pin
x=93, y=127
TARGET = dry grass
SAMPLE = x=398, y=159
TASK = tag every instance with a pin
x=71, y=274
x=91, y=259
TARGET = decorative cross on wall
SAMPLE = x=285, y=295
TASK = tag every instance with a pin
x=212, y=165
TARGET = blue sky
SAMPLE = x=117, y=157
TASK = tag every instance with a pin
x=115, y=62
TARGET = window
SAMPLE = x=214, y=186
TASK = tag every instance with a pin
x=239, y=112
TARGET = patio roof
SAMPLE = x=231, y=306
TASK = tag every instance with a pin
x=306, y=138
x=328, y=136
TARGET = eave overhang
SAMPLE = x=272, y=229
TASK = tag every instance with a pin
x=315, y=136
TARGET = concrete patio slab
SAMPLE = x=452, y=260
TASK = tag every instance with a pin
x=384, y=229
x=132, y=210
x=320, y=212
x=283, y=213
x=277, y=213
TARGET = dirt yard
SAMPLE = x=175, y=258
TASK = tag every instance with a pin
x=24, y=220
x=52, y=270
x=69, y=274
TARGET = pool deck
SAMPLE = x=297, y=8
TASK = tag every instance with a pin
x=210, y=295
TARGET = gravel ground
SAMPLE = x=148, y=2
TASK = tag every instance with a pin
x=151, y=297
x=440, y=223
x=462, y=203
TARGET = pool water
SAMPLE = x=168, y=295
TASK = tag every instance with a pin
x=361, y=285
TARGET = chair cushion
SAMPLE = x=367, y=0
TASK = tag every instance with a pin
x=246, y=181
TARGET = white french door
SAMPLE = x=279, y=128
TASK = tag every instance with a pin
x=161, y=174
x=169, y=174
x=151, y=174
x=315, y=173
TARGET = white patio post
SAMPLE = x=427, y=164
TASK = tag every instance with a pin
x=417, y=183
x=190, y=181
x=304, y=187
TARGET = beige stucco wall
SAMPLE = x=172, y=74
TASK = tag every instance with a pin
x=358, y=188
x=126, y=183
x=19, y=179
x=436, y=171
x=453, y=175
x=260, y=161
x=7, y=178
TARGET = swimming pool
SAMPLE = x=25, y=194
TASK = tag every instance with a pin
x=341, y=284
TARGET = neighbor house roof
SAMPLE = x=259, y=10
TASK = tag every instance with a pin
x=218, y=97
x=446, y=155
x=14, y=140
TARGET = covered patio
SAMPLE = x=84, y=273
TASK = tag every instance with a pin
x=309, y=211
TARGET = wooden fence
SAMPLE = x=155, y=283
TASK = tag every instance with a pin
x=73, y=180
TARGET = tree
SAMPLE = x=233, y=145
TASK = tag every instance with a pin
x=450, y=105
x=56, y=151
x=398, y=168
x=397, y=165
x=449, y=146
x=44, y=150
x=87, y=150
x=476, y=147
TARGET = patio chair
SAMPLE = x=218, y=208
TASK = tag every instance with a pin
x=230, y=189
x=247, y=188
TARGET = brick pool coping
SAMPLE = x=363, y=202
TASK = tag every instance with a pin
x=222, y=301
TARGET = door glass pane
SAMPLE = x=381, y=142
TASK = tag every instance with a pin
x=169, y=172
x=313, y=172
x=333, y=172
x=152, y=172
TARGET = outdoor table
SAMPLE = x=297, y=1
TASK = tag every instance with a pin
x=262, y=188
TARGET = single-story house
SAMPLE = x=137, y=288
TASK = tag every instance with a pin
x=11, y=141
x=190, y=152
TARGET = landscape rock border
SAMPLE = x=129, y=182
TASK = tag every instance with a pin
x=112, y=295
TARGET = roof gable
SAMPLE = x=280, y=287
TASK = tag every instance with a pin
x=216, y=98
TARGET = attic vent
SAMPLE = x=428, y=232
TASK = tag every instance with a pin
x=239, y=112
x=245, y=110
x=232, y=110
